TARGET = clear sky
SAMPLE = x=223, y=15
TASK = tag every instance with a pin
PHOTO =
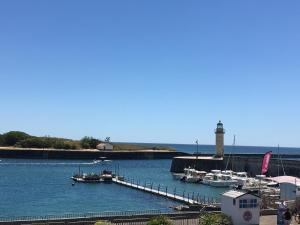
x=152, y=71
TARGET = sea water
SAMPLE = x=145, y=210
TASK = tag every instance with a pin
x=41, y=187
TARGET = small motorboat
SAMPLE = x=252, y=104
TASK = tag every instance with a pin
x=87, y=178
x=192, y=175
x=222, y=180
x=207, y=178
x=106, y=175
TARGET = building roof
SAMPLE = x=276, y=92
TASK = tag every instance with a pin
x=236, y=194
x=103, y=144
x=285, y=179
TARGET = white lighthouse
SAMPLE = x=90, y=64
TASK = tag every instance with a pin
x=219, y=140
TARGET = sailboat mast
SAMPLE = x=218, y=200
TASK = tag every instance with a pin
x=230, y=155
x=278, y=160
x=233, y=152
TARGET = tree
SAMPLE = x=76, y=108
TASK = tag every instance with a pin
x=1, y=140
x=13, y=137
x=160, y=220
x=85, y=142
x=34, y=142
x=215, y=219
x=89, y=142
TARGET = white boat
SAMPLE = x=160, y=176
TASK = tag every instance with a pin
x=215, y=171
x=227, y=172
x=241, y=178
x=192, y=175
x=207, y=178
x=222, y=180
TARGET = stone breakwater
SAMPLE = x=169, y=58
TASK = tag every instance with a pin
x=86, y=154
x=248, y=163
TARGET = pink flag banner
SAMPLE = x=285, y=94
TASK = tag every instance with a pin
x=265, y=163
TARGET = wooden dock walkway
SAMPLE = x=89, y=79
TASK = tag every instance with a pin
x=190, y=200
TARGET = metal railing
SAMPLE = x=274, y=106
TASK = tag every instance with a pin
x=81, y=215
x=175, y=191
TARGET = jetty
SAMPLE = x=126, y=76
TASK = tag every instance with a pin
x=186, y=198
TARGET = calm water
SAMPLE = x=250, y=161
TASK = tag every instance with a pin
x=42, y=187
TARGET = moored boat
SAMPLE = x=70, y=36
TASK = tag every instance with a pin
x=106, y=175
x=192, y=175
x=222, y=180
x=87, y=178
x=241, y=178
x=207, y=178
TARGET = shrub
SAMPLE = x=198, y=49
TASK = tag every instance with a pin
x=102, y=222
x=13, y=137
x=89, y=142
x=1, y=140
x=160, y=220
x=215, y=219
x=34, y=142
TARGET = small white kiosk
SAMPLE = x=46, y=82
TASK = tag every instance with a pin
x=242, y=207
x=105, y=146
x=289, y=187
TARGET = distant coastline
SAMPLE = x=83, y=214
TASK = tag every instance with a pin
x=18, y=140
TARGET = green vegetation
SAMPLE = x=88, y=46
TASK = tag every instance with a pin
x=1, y=140
x=125, y=147
x=215, y=219
x=160, y=220
x=23, y=140
x=89, y=142
x=103, y=222
x=48, y=142
x=13, y=137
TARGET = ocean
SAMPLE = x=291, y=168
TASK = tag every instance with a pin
x=31, y=187
x=192, y=148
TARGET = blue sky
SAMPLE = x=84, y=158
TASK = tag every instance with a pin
x=152, y=71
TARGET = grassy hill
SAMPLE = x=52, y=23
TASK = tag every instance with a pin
x=23, y=140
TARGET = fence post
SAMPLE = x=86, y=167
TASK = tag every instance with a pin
x=151, y=185
x=166, y=190
x=193, y=196
x=183, y=194
x=158, y=188
x=188, y=197
x=174, y=192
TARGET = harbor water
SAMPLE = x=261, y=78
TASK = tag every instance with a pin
x=43, y=187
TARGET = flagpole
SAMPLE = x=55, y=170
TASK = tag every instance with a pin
x=278, y=160
x=197, y=149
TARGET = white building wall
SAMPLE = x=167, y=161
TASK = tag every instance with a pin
x=236, y=213
x=288, y=191
x=105, y=146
